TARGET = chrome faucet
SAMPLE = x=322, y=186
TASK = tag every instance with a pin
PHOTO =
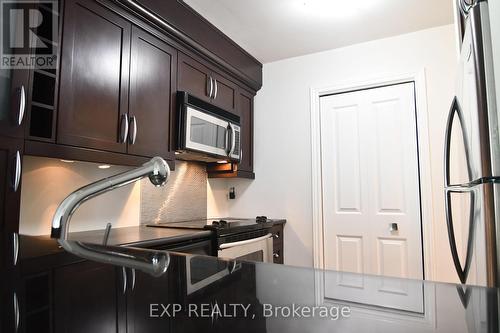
x=149, y=261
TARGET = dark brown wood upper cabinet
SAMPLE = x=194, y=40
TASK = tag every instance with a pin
x=152, y=96
x=206, y=84
x=194, y=78
x=225, y=93
x=94, y=77
x=13, y=101
x=246, y=119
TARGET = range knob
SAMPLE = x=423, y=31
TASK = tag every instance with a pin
x=261, y=219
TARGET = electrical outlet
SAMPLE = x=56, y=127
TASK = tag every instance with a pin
x=232, y=193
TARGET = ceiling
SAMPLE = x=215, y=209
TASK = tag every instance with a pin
x=271, y=30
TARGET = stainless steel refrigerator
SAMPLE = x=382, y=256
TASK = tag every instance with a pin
x=472, y=152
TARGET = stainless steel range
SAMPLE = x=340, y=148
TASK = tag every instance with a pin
x=245, y=239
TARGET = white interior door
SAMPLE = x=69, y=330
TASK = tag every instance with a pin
x=371, y=196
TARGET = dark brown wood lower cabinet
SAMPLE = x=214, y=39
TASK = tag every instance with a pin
x=11, y=153
x=86, y=298
x=144, y=304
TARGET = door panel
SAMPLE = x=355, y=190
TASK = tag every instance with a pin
x=371, y=196
x=94, y=76
x=152, y=91
x=85, y=298
x=193, y=77
x=9, y=224
x=13, y=84
x=148, y=290
x=246, y=120
x=226, y=94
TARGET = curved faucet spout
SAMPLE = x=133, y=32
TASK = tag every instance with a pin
x=158, y=172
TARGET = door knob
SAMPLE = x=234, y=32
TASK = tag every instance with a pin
x=393, y=227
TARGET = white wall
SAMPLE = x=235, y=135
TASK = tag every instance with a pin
x=282, y=162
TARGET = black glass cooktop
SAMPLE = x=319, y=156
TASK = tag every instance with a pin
x=221, y=225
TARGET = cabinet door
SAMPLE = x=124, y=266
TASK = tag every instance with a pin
x=152, y=95
x=194, y=77
x=225, y=93
x=144, y=291
x=85, y=298
x=246, y=118
x=94, y=77
x=13, y=98
x=10, y=187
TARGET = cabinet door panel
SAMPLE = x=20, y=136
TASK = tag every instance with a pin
x=13, y=89
x=193, y=77
x=148, y=290
x=226, y=93
x=246, y=119
x=152, y=92
x=94, y=76
x=85, y=298
x=9, y=224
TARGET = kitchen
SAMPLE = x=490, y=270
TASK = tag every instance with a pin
x=247, y=126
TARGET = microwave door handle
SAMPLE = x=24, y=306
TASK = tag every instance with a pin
x=233, y=139
x=244, y=242
x=228, y=139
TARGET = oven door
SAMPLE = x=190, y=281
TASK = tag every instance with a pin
x=255, y=249
x=206, y=133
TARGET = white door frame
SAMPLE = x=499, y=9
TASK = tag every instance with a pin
x=424, y=164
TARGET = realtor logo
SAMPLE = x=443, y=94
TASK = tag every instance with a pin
x=28, y=30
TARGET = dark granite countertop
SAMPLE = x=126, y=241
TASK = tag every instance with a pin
x=140, y=236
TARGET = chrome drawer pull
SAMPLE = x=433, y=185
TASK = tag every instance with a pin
x=133, y=130
x=124, y=273
x=17, y=172
x=124, y=128
x=22, y=105
x=15, y=244
x=16, y=312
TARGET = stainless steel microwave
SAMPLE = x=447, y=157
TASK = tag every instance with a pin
x=206, y=132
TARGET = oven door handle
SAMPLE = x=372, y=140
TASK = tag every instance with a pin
x=244, y=242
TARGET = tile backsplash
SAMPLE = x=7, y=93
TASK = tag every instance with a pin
x=183, y=198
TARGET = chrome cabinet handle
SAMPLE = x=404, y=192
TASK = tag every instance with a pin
x=124, y=275
x=22, y=105
x=124, y=128
x=216, y=88
x=393, y=227
x=211, y=87
x=277, y=236
x=15, y=245
x=276, y=255
x=16, y=312
x=17, y=172
x=133, y=130
x=133, y=279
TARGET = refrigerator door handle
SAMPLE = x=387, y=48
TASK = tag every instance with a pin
x=462, y=272
x=455, y=110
